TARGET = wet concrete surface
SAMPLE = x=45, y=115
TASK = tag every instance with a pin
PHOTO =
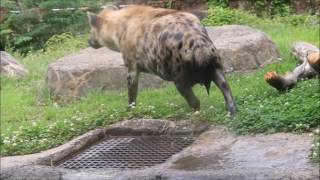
x=216, y=154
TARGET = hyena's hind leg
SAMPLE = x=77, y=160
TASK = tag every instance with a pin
x=132, y=80
x=220, y=80
x=187, y=92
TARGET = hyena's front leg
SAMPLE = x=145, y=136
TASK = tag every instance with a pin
x=132, y=80
x=220, y=80
x=187, y=92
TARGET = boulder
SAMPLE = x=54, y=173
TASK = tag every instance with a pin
x=11, y=67
x=241, y=48
x=91, y=69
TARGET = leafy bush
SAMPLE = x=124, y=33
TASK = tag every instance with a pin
x=315, y=147
x=221, y=16
x=218, y=16
x=221, y=3
x=30, y=29
x=295, y=20
x=266, y=8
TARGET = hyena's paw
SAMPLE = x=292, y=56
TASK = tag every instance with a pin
x=132, y=105
x=196, y=112
x=275, y=80
x=314, y=61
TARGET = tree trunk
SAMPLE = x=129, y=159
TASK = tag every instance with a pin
x=309, y=56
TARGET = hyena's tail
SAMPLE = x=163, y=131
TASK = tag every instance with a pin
x=207, y=57
x=207, y=60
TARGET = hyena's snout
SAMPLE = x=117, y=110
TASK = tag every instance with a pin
x=94, y=44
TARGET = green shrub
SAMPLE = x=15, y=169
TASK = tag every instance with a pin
x=27, y=32
x=295, y=20
x=218, y=16
x=262, y=8
x=30, y=29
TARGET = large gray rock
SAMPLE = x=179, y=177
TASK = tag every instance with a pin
x=242, y=48
x=10, y=66
x=91, y=69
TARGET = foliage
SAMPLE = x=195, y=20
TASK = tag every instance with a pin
x=262, y=8
x=169, y=4
x=221, y=3
x=222, y=16
x=31, y=28
x=315, y=147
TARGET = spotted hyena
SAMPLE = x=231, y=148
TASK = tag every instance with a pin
x=168, y=43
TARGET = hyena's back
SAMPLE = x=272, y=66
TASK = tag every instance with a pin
x=168, y=43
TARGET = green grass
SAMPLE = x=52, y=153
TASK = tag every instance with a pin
x=31, y=121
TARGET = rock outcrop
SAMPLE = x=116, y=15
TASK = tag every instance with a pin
x=90, y=70
x=11, y=67
x=243, y=48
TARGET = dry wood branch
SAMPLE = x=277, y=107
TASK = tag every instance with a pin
x=306, y=53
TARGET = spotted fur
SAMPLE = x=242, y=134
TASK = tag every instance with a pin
x=168, y=43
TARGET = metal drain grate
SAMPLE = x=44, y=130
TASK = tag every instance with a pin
x=129, y=152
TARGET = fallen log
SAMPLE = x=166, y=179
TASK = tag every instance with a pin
x=309, y=56
x=314, y=61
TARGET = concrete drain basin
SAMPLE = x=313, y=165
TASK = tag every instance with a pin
x=128, y=152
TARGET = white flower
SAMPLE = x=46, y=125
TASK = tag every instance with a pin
x=132, y=105
x=34, y=123
x=55, y=105
x=317, y=131
x=315, y=154
x=317, y=144
x=6, y=141
x=312, y=145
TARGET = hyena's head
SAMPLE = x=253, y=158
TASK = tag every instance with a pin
x=95, y=23
x=99, y=23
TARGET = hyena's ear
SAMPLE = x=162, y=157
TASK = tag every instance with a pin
x=94, y=20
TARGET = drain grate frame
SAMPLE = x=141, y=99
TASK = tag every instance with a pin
x=128, y=152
